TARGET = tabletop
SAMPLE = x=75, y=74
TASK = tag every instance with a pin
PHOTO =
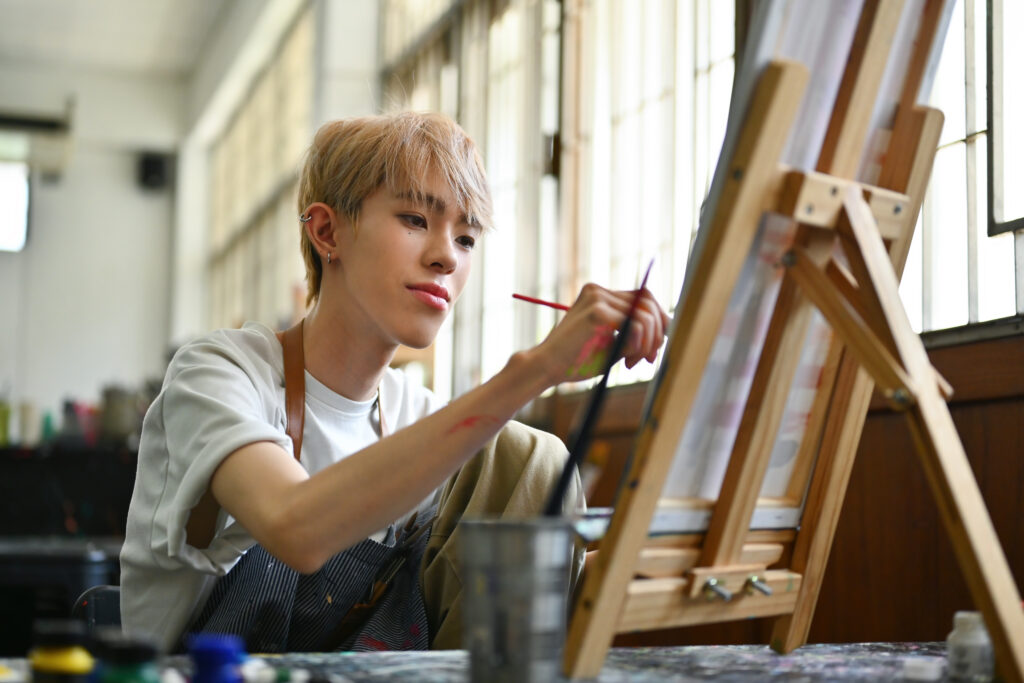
x=734, y=664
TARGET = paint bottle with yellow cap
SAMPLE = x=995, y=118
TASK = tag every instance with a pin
x=58, y=654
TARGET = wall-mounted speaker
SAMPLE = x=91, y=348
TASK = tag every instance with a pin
x=154, y=170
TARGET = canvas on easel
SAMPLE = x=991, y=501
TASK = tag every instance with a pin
x=788, y=319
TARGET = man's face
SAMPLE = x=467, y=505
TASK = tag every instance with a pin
x=407, y=262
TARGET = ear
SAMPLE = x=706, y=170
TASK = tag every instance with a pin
x=321, y=224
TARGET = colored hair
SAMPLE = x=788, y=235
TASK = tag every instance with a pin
x=350, y=159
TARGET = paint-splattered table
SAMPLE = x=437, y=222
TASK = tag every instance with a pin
x=738, y=663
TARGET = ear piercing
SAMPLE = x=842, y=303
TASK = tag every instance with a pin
x=305, y=218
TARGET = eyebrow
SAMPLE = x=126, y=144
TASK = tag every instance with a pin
x=436, y=204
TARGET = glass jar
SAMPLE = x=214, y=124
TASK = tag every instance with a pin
x=969, y=649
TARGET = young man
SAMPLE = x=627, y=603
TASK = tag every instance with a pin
x=234, y=528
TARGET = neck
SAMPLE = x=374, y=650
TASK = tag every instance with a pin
x=348, y=363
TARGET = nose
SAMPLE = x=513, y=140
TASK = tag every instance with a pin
x=441, y=255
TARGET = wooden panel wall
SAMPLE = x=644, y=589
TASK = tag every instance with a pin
x=892, y=574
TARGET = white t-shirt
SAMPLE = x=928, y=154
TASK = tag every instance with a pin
x=222, y=392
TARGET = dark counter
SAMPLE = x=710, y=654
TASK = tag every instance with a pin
x=66, y=488
x=41, y=577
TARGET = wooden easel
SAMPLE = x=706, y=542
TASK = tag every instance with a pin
x=723, y=574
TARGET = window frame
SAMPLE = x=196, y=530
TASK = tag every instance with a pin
x=980, y=192
x=994, y=78
x=450, y=16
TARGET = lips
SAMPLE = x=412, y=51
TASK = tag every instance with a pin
x=431, y=294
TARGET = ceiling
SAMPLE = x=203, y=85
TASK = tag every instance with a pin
x=163, y=37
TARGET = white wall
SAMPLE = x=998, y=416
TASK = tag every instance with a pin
x=85, y=303
x=346, y=85
x=237, y=50
x=226, y=43
x=112, y=276
x=347, y=60
x=93, y=295
x=123, y=111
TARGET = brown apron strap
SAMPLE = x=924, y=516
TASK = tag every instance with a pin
x=294, y=384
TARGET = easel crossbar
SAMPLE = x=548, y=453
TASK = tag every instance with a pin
x=886, y=370
x=665, y=603
x=673, y=562
x=815, y=198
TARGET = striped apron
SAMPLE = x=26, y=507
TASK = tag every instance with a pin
x=276, y=609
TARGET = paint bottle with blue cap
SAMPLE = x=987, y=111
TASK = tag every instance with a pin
x=216, y=658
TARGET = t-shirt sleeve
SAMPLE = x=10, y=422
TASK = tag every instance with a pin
x=212, y=406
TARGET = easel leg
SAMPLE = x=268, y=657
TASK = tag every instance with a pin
x=942, y=455
x=847, y=412
x=974, y=539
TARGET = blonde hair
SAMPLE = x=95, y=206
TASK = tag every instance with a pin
x=351, y=158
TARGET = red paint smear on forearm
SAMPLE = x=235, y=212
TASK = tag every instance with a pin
x=472, y=421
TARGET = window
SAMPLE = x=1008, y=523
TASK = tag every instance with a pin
x=961, y=268
x=635, y=92
x=14, y=193
x=1005, y=114
x=494, y=66
x=648, y=100
x=255, y=266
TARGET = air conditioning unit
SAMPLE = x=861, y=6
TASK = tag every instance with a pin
x=40, y=139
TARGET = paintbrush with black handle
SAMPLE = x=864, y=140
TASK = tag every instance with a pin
x=582, y=436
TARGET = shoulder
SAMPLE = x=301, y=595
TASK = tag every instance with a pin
x=252, y=350
x=241, y=368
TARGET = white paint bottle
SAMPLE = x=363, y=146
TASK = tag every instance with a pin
x=969, y=649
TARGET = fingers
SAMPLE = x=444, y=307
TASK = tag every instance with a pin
x=648, y=328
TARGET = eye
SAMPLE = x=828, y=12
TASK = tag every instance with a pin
x=466, y=241
x=413, y=219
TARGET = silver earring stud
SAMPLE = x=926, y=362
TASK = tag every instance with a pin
x=305, y=219
x=328, y=258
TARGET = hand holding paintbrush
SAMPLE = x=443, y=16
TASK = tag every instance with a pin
x=596, y=356
x=589, y=331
